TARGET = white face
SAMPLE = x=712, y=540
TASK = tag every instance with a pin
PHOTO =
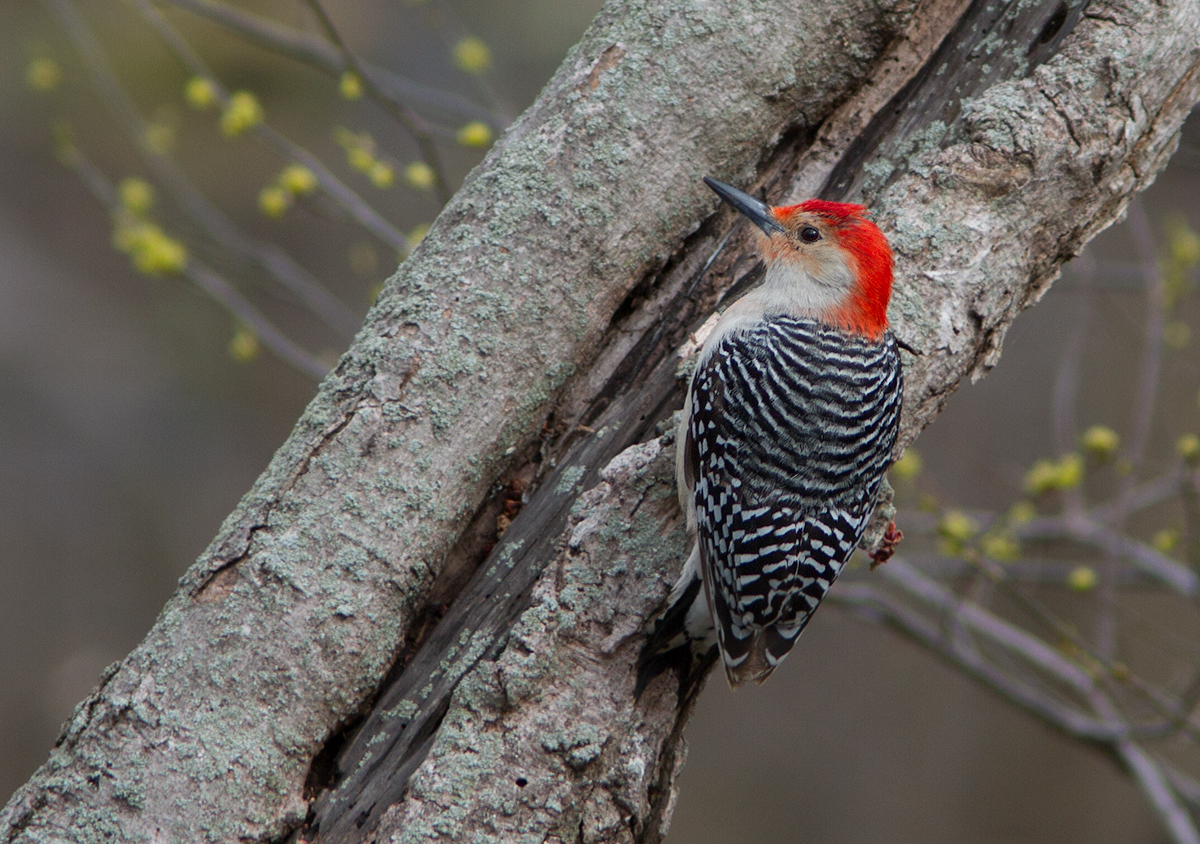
x=807, y=271
x=816, y=285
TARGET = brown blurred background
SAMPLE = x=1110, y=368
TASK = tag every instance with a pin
x=128, y=431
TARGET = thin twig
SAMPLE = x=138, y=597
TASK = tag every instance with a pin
x=1187, y=787
x=1091, y=532
x=206, y=279
x=1143, y=414
x=1020, y=642
x=965, y=612
x=952, y=640
x=318, y=53
x=1163, y=798
x=1066, y=387
x=1189, y=495
x=1143, y=407
x=406, y=117
x=1138, y=498
x=1031, y=570
x=210, y=218
x=233, y=301
x=1039, y=701
x=447, y=11
x=1066, y=383
x=341, y=193
x=950, y=624
x=1153, y=780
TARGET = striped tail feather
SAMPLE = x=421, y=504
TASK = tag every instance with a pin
x=753, y=653
x=765, y=649
x=753, y=664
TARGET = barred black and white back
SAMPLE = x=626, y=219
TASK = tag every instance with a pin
x=788, y=429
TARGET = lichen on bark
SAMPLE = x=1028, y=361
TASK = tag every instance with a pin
x=540, y=744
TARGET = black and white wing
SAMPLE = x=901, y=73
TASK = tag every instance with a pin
x=792, y=427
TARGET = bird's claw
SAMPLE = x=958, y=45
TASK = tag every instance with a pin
x=887, y=547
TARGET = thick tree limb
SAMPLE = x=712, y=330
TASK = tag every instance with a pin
x=552, y=290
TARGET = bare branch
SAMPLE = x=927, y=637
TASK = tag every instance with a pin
x=1147, y=384
x=956, y=648
x=1163, y=798
x=1091, y=532
x=220, y=290
x=319, y=54
x=211, y=219
x=353, y=204
x=406, y=117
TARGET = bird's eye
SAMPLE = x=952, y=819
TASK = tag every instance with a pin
x=809, y=235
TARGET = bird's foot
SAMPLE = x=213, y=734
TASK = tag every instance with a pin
x=887, y=547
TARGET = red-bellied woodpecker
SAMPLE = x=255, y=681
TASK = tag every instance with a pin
x=788, y=427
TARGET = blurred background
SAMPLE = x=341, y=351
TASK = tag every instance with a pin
x=137, y=407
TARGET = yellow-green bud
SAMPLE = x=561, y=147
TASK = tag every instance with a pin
x=1188, y=447
x=381, y=174
x=243, y=346
x=1185, y=245
x=242, y=113
x=360, y=159
x=137, y=196
x=1021, y=512
x=350, y=85
x=1049, y=475
x=956, y=528
x=1041, y=477
x=43, y=74
x=1082, y=578
x=472, y=55
x=274, y=200
x=161, y=255
x=200, y=93
x=151, y=251
x=1101, y=441
x=297, y=179
x=1166, y=540
x=419, y=175
x=1070, y=469
x=1000, y=546
x=349, y=140
x=360, y=150
x=475, y=134
x=908, y=466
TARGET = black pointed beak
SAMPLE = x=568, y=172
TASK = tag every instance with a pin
x=758, y=211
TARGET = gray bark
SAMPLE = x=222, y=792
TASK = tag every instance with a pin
x=549, y=295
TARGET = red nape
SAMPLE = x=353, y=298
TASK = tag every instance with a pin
x=866, y=311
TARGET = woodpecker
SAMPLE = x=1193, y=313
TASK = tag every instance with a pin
x=789, y=424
